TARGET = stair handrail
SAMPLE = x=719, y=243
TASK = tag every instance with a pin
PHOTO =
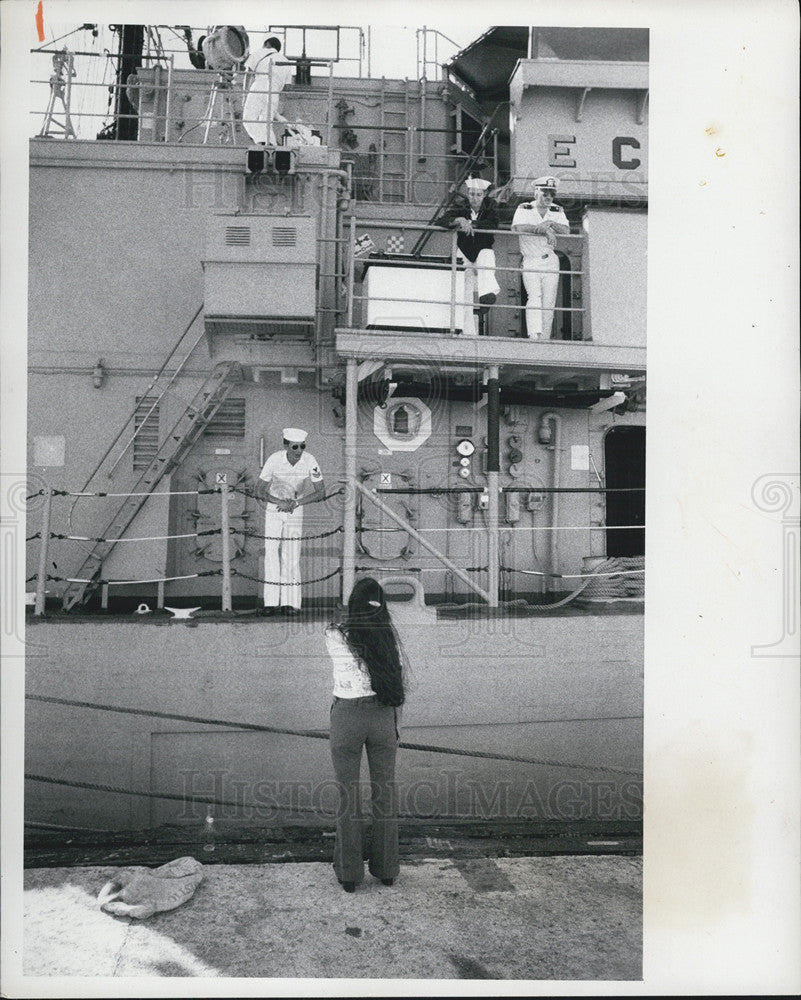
x=218, y=374
x=214, y=374
x=144, y=396
x=473, y=158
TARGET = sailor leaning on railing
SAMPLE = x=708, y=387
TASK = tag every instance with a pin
x=471, y=213
x=539, y=222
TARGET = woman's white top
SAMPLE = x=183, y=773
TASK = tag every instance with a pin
x=351, y=677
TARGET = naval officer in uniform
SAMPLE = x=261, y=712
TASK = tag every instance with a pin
x=290, y=479
x=539, y=222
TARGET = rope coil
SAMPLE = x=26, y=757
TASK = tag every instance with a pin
x=573, y=576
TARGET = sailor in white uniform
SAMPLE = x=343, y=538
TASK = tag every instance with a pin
x=290, y=479
x=539, y=222
x=266, y=80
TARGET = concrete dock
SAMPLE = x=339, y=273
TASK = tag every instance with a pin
x=495, y=918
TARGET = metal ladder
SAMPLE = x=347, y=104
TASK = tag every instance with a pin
x=392, y=163
x=475, y=157
x=174, y=447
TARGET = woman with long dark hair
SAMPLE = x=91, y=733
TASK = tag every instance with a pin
x=367, y=660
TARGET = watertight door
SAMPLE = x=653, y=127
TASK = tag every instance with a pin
x=625, y=469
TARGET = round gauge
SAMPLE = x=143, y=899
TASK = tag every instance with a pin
x=465, y=462
x=465, y=447
x=464, y=473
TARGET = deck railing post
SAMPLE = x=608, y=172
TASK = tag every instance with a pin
x=454, y=251
x=41, y=578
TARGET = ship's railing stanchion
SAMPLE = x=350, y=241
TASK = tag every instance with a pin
x=41, y=578
x=225, y=522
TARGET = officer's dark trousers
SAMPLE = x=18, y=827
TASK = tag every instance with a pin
x=357, y=723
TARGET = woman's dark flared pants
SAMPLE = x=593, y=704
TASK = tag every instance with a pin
x=358, y=723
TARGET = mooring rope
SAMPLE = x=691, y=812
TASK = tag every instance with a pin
x=211, y=800
x=317, y=735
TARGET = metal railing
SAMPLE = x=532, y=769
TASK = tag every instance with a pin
x=201, y=106
x=428, y=50
x=156, y=100
x=575, y=244
x=283, y=31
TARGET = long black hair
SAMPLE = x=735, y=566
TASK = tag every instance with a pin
x=371, y=636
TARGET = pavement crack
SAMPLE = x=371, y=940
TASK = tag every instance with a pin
x=122, y=946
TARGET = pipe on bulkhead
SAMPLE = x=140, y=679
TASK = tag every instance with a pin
x=349, y=519
x=553, y=442
x=493, y=472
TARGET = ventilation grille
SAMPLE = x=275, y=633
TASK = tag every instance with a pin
x=146, y=442
x=285, y=236
x=237, y=236
x=228, y=421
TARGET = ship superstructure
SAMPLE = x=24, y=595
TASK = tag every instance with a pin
x=191, y=293
x=257, y=283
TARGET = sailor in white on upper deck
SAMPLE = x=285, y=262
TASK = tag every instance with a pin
x=266, y=80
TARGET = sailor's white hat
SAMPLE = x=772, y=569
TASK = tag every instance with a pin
x=551, y=183
x=294, y=435
x=477, y=184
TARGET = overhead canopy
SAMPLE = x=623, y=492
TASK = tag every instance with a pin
x=486, y=65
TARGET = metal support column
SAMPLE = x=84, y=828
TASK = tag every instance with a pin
x=225, y=525
x=323, y=268
x=351, y=268
x=493, y=470
x=349, y=520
